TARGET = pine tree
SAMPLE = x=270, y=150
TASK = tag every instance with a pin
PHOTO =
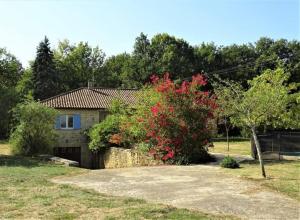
x=45, y=76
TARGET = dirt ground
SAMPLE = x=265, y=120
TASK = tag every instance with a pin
x=199, y=187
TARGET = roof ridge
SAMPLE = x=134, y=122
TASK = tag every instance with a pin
x=61, y=94
x=114, y=88
x=102, y=93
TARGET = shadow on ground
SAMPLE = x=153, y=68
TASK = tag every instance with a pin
x=20, y=161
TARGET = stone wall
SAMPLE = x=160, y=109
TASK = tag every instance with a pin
x=76, y=138
x=120, y=157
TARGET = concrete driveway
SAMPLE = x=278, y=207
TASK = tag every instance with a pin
x=203, y=188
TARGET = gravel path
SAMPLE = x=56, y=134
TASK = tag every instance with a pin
x=199, y=187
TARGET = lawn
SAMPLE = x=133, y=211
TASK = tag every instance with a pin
x=26, y=192
x=238, y=147
x=282, y=176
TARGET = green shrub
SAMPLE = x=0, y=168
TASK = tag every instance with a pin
x=229, y=162
x=34, y=132
x=108, y=133
x=101, y=133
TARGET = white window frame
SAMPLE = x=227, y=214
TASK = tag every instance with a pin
x=67, y=122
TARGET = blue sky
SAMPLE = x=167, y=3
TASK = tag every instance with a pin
x=114, y=24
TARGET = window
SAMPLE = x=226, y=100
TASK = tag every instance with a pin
x=66, y=122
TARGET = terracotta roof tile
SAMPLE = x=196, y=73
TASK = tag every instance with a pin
x=90, y=98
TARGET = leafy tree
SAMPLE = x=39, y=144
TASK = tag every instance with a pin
x=10, y=69
x=44, y=73
x=142, y=64
x=118, y=72
x=24, y=87
x=8, y=100
x=225, y=108
x=78, y=64
x=34, y=132
x=173, y=55
x=235, y=60
x=10, y=72
x=207, y=58
x=264, y=103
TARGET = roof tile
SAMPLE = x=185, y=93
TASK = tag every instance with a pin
x=90, y=98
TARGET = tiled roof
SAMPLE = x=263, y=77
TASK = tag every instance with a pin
x=90, y=98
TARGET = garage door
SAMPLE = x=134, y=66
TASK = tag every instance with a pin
x=70, y=153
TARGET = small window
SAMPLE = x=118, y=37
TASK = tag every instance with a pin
x=66, y=122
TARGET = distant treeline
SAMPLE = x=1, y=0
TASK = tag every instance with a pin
x=70, y=66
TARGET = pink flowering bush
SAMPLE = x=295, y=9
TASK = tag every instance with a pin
x=176, y=127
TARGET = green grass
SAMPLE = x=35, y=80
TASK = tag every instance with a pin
x=26, y=192
x=239, y=147
x=282, y=176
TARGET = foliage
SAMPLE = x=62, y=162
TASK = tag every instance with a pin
x=24, y=87
x=117, y=70
x=266, y=102
x=107, y=133
x=78, y=64
x=8, y=100
x=229, y=162
x=34, y=132
x=10, y=69
x=177, y=124
x=44, y=74
x=10, y=72
x=131, y=125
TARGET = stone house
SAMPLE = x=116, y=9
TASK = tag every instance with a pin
x=79, y=110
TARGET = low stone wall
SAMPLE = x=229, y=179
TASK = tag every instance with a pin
x=120, y=157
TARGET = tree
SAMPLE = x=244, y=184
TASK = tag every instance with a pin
x=24, y=87
x=142, y=64
x=10, y=69
x=34, y=132
x=118, y=71
x=10, y=72
x=207, y=57
x=225, y=109
x=79, y=64
x=173, y=55
x=44, y=73
x=264, y=103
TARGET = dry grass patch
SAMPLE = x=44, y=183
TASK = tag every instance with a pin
x=4, y=148
x=238, y=147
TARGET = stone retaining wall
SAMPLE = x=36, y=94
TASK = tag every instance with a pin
x=120, y=157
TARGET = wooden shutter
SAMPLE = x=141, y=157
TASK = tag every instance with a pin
x=57, y=122
x=77, y=121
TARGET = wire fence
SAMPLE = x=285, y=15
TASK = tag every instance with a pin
x=281, y=143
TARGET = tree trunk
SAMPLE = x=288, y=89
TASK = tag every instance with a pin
x=258, y=152
x=227, y=137
x=227, y=133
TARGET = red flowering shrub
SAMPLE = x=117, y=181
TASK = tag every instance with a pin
x=177, y=125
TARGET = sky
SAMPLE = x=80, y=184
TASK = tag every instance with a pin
x=113, y=25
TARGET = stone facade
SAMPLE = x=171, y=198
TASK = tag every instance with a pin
x=75, y=138
x=120, y=157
